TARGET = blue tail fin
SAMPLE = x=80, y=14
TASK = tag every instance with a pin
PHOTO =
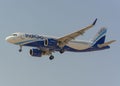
x=99, y=37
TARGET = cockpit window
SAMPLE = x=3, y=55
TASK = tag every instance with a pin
x=14, y=34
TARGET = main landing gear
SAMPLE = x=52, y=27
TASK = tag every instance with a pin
x=62, y=51
x=51, y=57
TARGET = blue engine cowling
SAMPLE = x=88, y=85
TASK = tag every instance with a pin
x=36, y=52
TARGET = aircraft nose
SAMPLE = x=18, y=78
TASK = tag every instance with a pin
x=8, y=39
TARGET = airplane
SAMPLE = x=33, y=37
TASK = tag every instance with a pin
x=44, y=45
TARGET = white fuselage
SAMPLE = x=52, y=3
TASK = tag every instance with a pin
x=22, y=39
x=79, y=45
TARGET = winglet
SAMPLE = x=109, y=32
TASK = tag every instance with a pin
x=94, y=22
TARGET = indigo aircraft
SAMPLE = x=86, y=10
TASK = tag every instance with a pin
x=44, y=45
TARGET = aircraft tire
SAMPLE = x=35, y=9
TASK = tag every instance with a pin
x=51, y=57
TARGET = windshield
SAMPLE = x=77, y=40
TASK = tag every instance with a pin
x=14, y=34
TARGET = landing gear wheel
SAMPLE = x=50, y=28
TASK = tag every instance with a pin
x=51, y=57
x=20, y=50
x=61, y=51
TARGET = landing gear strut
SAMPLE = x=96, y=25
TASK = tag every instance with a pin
x=51, y=57
x=20, y=50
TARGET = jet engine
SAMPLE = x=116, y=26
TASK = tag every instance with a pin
x=36, y=52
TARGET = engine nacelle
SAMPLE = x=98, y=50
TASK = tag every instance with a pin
x=50, y=42
x=36, y=52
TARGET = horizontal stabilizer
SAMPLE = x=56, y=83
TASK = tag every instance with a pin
x=106, y=44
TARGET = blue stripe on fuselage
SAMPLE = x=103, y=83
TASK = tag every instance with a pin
x=53, y=45
x=67, y=48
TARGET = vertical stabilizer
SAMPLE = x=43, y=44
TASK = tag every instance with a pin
x=99, y=37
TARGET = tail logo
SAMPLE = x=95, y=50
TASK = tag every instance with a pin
x=100, y=37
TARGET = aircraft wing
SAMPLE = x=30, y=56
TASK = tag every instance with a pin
x=64, y=40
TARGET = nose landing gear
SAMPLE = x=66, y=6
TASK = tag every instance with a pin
x=20, y=50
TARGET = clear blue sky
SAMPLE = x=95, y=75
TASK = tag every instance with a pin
x=57, y=18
